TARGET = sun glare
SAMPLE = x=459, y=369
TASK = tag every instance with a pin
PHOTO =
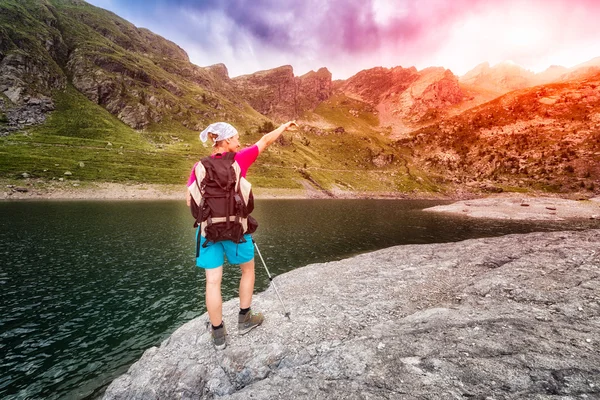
x=524, y=36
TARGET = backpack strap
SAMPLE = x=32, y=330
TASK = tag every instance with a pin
x=227, y=197
x=194, y=189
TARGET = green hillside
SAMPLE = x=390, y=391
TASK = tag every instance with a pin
x=99, y=66
x=83, y=138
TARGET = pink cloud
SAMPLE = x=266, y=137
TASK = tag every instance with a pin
x=349, y=35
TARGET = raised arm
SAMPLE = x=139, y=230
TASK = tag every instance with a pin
x=272, y=136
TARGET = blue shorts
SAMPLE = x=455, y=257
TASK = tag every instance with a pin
x=212, y=256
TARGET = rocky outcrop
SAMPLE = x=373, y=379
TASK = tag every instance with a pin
x=278, y=94
x=514, y=317
x=22, y=76
x=373, y=85
x=404, y=97
x=544, y=137
x=271, y=92
x=434, y=90
x=219, y=70
x=29, y=62
x=128, y=93
x=29, y=69
x=32, y=111
x=313, y=88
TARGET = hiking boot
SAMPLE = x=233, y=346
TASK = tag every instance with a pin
x=249, y=321
x=218, y=336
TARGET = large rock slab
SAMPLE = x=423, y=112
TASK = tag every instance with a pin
x=514, y=317
x=518, y=207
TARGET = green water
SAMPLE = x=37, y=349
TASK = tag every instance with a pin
x=86, y=287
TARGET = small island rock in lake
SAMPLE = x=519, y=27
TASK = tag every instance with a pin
x=513, y=317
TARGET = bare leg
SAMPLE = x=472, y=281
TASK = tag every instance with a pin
x=246, y=283
x=214, y=301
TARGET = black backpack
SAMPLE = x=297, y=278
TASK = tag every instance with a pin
x=222, y=200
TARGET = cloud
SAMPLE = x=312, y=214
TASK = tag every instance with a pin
x=349, y=35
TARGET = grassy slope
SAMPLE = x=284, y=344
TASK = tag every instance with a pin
x=342, y=159
x=79, y=131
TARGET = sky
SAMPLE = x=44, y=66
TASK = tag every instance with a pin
x=347, y=36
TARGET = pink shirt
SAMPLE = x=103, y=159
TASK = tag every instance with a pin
x=244, y=158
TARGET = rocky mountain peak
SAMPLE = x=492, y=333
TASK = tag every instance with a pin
x=278, y=94
x=372, y=85
x=219, y=70
x=552, y=73
x=501, y=78
x=404, y=97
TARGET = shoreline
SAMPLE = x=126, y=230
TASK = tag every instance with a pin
x=33, y=190
x=514, y=206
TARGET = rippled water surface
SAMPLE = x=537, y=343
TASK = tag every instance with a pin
x=86, y=287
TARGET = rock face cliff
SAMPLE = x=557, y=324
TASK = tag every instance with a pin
x=29, y=65
x=514, y=317
x=138, y=76
x=279, y=94
x=404, y=97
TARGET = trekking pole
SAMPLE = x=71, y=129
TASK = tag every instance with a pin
x=287, y=314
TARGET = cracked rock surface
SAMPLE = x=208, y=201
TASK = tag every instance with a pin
x=514, y=317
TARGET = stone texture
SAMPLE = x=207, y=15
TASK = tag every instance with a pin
x=405, y=97
x=278, y=94
x=514, y=317
x=31, y=111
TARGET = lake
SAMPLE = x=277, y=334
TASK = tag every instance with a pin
x=87, y=286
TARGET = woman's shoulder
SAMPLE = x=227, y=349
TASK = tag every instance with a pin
x=248, y=151
x=247, y=156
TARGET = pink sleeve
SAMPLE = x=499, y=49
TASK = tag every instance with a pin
x=246, y=157
x=192, y=177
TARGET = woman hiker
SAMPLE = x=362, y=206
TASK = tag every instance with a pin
x=225, y=140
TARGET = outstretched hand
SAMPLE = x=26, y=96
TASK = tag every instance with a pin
x=270, y=137
x=290, y=124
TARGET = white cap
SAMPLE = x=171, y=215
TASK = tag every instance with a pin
x=223, y=129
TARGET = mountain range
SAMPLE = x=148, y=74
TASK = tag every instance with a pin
x=86, y=92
